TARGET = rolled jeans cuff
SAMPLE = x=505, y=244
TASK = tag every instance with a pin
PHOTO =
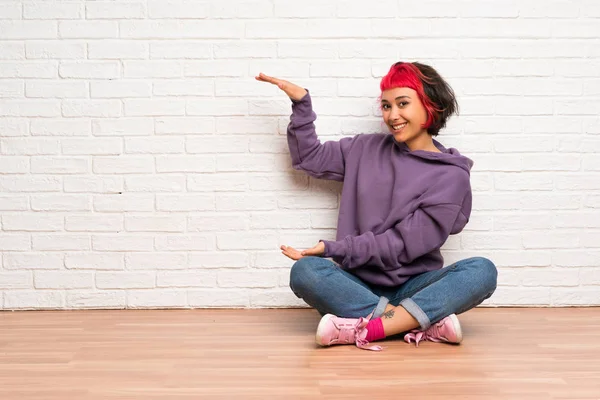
x=416, y=311
x=380, y=308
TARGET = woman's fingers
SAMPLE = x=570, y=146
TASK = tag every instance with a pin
x=290, y=252
x=267, y=78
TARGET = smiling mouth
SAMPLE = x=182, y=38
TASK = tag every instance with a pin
x=398, y=127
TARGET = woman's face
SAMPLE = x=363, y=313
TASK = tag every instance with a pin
x=403, y=113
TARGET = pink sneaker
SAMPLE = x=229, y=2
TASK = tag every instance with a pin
x=335, y=330
x=447, y=330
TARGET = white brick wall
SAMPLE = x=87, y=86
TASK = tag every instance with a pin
x=141, y=165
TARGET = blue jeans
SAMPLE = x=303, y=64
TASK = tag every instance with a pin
x=428, y=297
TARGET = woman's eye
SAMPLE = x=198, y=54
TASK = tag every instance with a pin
x=385, y=106
x=403, y=103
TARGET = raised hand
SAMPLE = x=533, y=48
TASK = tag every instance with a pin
x=295, y=255
x=293, y=91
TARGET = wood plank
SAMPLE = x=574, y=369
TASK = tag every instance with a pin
x=507, y=353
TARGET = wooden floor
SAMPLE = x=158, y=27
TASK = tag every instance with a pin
x=270, y=354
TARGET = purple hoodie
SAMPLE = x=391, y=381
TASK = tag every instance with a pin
x=398, y=207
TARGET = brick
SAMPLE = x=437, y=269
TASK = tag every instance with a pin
x=307, y=9
x=180, y=50
x=125, y=280
x=217, y=222
x=305, y=201
x=154, y=260
x=16, y=280
x=152, y=69
x=278, y=182
x=12, y=30
x=271, y=259
x=123, y=202
x=245, y=202
x=280, y=220
x=118, y=50
x=219, y=259
x=186, y=279
x=14, y=165
x=91, y=108
x=184, y=125
x=216, y=144
x=13, y=127
x=155, y=183
x=105, y=261
x=218, y=298
x=183, y=88
x=102, y=300
x=88, y=146
x=226, y=182
x=243, y=9
x=13, y=203
x=247, y=278
x=248, y=49
x=12, y=89
x=177, y=163
x=30, y=184
x=55, y=242
x=52, y=10
x=246, y=240
x=89, y=69
x=154, y=107
x=56, y=89
x=575, y=296
x=87, y=29
x=217, y=107
x=122, y=127
x=521, y=296
x=251, y=125
x=177, y=9
x=125, y=164
x=24, y=300
x=23, y=261
x=115, y=10
x=229, y=68
x=246, y=162
x=55, y=49
x=155, y=145
x=181, y=29
x=156, y=298
x=155, y=223
x=190, y=242
x=93, y=223
x=187, y=202
x=59, y=165
x=122, y=242
x=63, y=280
x=29, y=108
x=61, y=127
x=60, y=202
x=93, y=184
x=30, y=146
x=11, y=10
x=120, y=89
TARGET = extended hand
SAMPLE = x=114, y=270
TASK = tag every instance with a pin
x=293, y=91
x=295, y=255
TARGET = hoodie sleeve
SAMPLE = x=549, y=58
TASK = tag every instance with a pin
x=444, y=209
x=327, y=160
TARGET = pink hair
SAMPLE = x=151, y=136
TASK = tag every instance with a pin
x=408, y=75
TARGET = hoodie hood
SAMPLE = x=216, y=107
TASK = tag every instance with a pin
x=447, y=156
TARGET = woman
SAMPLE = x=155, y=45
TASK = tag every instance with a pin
x=403, y=195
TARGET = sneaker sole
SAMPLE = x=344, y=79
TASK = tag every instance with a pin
x=457, y=328
x=324, y=320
